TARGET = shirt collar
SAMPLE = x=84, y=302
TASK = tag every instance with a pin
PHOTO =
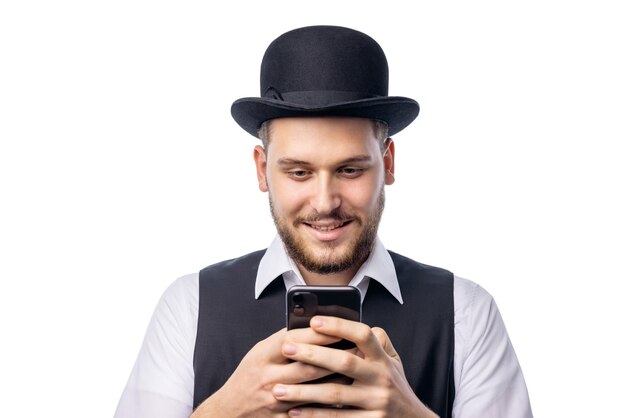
x=379, y=266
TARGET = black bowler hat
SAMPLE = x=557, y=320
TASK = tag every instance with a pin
x=324, y=71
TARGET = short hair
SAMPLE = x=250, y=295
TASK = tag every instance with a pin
x=381, y=132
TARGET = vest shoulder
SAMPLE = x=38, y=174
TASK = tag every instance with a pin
x=234, y=265
x=406, y=265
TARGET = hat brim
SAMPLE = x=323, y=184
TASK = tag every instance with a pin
x=397, y=112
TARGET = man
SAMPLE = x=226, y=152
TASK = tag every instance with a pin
x=430, y=344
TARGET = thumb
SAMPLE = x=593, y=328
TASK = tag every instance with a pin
x=385, y=342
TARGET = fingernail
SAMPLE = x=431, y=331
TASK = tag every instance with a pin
x=280, y=390
x=289, y=349
x=294, y=412
x=317, y=322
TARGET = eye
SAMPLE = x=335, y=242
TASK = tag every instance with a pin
x=351, y=172
x=298, y=174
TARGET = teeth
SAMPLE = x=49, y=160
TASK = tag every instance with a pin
x=326, y=228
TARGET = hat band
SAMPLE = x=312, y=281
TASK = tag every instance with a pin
x=317, y=97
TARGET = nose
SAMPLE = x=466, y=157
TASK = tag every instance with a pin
x=326, y=196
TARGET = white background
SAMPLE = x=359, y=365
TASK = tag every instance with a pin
x=121, y=169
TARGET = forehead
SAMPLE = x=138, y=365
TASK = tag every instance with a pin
x=319, y=137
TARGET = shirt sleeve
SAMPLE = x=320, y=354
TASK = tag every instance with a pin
x=488, y=378
x=161, y=382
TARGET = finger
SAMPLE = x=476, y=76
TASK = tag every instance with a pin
x=357, y=332
x=309, y=336
x=325, y=393
x=340, y=361
x=298, y=372
x=308, y=412
x=385, y=342
x=271, y=346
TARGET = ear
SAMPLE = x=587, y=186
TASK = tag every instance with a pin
x=388, y=161
x=260, y=161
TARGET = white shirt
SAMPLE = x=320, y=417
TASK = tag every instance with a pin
x=487, y=376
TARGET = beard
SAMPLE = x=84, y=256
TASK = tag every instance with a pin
x=330, y=260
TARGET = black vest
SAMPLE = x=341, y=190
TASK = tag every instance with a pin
x=231, y=321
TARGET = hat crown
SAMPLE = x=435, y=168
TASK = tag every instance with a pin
x=324, y=59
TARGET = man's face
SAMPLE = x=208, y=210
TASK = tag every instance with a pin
x=325, y=178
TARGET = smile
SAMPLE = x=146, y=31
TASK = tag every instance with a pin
x=327, y=227
x=328, y=231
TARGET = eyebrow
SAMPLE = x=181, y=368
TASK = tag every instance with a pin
x=355, y=159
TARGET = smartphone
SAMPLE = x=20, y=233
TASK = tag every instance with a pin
x=304, y=302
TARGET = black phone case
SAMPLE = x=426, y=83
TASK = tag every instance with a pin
x=304, y=302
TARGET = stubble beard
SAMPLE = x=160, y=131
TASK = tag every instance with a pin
x=329, y=261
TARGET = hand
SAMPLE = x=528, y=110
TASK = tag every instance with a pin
x=248, y=391
x=379, y=389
